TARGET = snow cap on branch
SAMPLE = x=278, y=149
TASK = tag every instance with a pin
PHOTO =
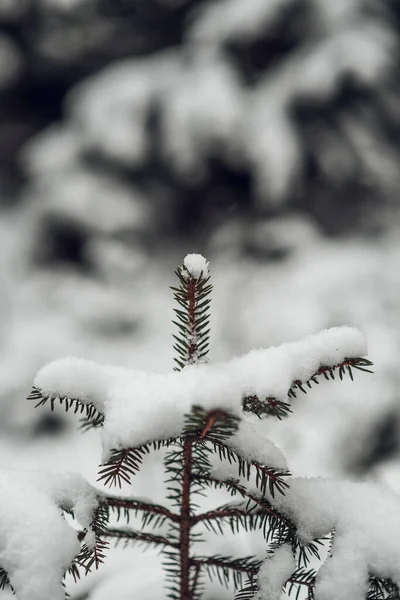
x=141, y=406
x=196, y=265
x=250, y=443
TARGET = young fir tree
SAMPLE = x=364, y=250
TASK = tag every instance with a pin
x=205, y=416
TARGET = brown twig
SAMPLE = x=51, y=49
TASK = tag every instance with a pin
x=263, y=473
x=210, y=422
x=219, y=514
x=191, y=300
x=121, y=534
x=216, y=562
x=185, y=522
x=140, y=505
x=262, y=503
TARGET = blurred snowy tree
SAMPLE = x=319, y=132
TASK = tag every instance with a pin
x=218, y=108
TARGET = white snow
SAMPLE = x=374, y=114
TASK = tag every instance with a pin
x=83, y=192
x=366, y=518
x=197, y=265
x=141, y=406
x=202, y=113
x=226, y=19
x=36, y=543
x=274, y=573
x=110, y=109
x=54, y=149
x=250, y=442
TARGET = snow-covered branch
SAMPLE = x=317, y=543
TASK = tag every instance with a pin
x=139, y=406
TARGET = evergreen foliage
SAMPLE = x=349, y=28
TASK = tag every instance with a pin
x=177, y=525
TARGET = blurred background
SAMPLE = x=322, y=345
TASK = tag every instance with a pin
x=264, y=134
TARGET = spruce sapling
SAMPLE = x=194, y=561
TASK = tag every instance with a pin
x=204, y=418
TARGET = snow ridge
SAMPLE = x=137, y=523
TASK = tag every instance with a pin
x=140, y=406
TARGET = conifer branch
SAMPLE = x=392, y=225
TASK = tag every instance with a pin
x=220, y=513
x=136, y=506
x=301, y=577
x=124, y=463
x=231, y=485
x=192, y=347
x=91, y=413
x=266, y=477
x=128, y=535
x=344, y=368
x=267, y=407
x=263, y=507
x=121, y=465
x=271, y=406
x=89, y=558
x=379, y=589
x=226, y=567
x=382, y=589
x=195, y=582
x=4, y=580
x=193, y=319
x=215, y=425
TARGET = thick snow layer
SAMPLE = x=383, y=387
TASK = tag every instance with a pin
x=36, y=543
x=197, y=265
x=274, y=573
x=142, y=406
x=366, y=518
x=250, y=442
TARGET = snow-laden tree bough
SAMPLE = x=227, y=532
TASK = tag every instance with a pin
x=207, y=419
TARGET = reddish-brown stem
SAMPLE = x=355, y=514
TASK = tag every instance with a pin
x=121, y=534
x=184, y=542
x=210, y=422
x=191, y=299
x=185, y=517
x=309, y=584
x=212, y=417
x=261, y=502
